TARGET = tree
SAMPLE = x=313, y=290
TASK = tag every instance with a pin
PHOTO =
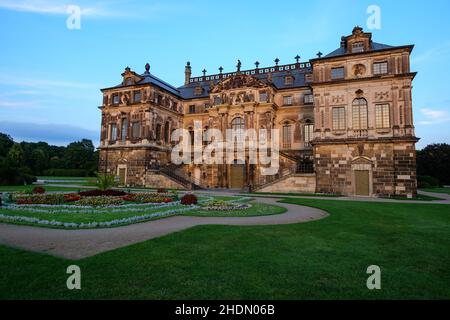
x=6, y=142
x=16, y=155
x=80, y=154
x=434, y=161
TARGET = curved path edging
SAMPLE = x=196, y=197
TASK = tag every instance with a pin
x=78, y=244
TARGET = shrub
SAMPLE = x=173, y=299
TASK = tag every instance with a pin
x=189, y=199
x=65, y=173
x=99, y=193
x=428, y=182
x=161, y=190
x=105, y=181
x=38, y=190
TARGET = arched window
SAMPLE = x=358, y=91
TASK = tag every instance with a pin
x=308, y=132
x=359, y=114
x=238, y=124
x=167, y=132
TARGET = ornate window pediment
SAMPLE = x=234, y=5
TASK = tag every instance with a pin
x=238, y=81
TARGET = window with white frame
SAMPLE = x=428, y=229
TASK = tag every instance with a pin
x=309, y=132
x=338, y=118
x=358, y=47
x=380, y=68
x=263, y=97
x=287, y=100
x=359, y=114
x=382, y=116
x=308, y=98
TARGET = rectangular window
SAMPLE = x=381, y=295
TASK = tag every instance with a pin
x=380, y=68
x=337, y=73
x=137, y=97
x=309, y=131
x=359, y=117
x=308, y=98
x=287, y=100
x=339, y=118
x=113, y=133
x=116, y=98
x=358, y=47
x=192, y=108
x=263, y=97
x=136, y=130
x=286, y=136
x=382, y=116
x=288, y=80
x=124, y=129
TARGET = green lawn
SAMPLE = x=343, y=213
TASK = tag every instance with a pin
x=293, y=194
x=28, y=188
x=419, y=197
x=325, y=259
x=437, y=190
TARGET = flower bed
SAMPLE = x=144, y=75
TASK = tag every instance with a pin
x=40, y=199
x=99, y=201
x=99, y=193
x=149, y=197
x=221, y=205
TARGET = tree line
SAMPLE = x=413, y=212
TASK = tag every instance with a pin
x=21, y=162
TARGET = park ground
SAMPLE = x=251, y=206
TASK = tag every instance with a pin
x=323, y=259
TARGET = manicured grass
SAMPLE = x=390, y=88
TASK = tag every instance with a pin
x=293, y=194
x=65, y=178
x=28, y=188
x=437, y=190
x=324, y=259
x=419, y=197
x=257, y=209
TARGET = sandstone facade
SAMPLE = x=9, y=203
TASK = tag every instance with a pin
x=345, y=123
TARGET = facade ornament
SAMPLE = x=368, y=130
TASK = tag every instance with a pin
x=238, y=66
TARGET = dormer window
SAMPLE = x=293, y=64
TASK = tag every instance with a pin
x=198, y=90
x=288, y=80
x=358, y=47
x=129, y=82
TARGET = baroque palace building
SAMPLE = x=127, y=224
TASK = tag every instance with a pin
x=345, y=121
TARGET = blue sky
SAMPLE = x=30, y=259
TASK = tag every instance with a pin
x=50, y=76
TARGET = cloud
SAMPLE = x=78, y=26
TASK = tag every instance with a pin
x=9, y=79
x=58, y=134
x=434, y=116
x=18, y=104
x=431, y=55
x=42, y=7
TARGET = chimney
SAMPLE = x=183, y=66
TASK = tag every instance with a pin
x=187, y=73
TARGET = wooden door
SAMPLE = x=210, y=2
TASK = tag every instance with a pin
x=237, y=176
x=362, y=183
x=122, y=172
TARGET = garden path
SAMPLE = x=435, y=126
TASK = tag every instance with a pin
x=78, y=244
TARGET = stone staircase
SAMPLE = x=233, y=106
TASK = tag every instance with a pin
x=173, y=171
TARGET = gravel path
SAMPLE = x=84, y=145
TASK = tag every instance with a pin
x=78, y=244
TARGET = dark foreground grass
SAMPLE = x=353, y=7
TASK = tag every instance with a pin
x=324, y=259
